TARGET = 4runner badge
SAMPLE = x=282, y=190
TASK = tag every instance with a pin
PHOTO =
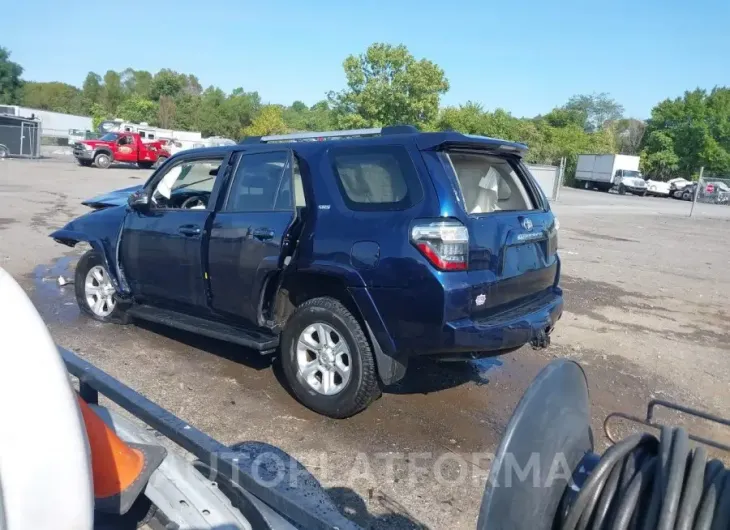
x=481, y=299
x=527, y=224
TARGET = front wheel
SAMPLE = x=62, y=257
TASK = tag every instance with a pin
x=621, y=189
x=327, y=360
x=102, y=160
x=95, y=293
x=4, y=153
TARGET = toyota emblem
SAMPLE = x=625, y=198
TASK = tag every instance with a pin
x=527, y=224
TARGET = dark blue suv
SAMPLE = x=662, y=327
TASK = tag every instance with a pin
x=345, y=252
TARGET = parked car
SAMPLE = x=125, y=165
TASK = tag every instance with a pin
x=345, y=256
x=120, y=147
x=657, y=188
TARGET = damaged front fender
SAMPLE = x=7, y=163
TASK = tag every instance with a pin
x=102, y=229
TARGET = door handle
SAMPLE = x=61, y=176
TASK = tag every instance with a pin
x=263, y=233
x=189, y=230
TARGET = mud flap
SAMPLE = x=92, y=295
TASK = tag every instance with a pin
x=390, y=369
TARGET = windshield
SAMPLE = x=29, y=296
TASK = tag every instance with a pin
x=110, y=137
x=632, y=174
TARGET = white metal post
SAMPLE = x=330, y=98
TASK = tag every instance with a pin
x=697, y=190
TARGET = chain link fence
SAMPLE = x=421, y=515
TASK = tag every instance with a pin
x=713, y=190
x=21, y=140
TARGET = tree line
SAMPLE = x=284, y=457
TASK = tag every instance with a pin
x=387, y=85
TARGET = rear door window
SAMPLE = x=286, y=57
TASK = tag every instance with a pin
x=489, y=183
x=262, y=183
x=376, y=177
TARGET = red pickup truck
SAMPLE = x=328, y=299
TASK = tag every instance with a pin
x=120, y=147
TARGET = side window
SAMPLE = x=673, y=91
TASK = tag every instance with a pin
x=261, y=183
x=125, y=140
x=376, y=178
x=186, y=181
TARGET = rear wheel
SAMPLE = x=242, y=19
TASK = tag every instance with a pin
x=102, y=160
x=327, y=360
x=686, y=196
x=95, y=292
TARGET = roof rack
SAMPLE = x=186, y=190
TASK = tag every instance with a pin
x=325, y=135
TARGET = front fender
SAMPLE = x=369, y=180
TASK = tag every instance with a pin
x=102, y=230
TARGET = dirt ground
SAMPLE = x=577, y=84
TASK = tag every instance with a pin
x=647, y=316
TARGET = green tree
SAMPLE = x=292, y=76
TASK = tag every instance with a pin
x=695, y=128
x=98, y=115
x=137, y=110
x=269, y=120
x=113, y=92
x=91, y=90
x=597, y=109
x=58, y=97
x=167, y=83
x=10, y=82
x=166, y=111
x=137, y=82
x=386, y=86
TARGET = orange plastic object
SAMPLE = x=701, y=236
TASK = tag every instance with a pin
x=114, y=464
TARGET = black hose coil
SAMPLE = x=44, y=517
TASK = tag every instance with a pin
x=642, y=483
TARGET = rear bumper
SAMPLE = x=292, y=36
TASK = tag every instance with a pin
x=511, y=329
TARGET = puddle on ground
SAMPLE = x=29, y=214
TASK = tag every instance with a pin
x=55, y=303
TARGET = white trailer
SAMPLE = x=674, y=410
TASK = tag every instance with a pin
x=53, y=124
x=604, y=172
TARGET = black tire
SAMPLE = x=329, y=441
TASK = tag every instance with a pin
x=686, y=196
x=88, y=261
x=102, y=160
x=621, y=189
x=363, y=386
x=4, y=152
x=85, y=163
x=159, y=162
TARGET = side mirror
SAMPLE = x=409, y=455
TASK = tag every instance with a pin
x=139, y=201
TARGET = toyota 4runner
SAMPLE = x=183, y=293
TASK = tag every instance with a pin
x=346, y=253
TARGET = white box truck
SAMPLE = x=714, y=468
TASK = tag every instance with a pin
x=604, y=172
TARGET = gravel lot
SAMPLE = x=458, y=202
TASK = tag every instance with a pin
x=646, y=315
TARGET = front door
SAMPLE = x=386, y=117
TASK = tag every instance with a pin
x=162, y=247
x=246, y=234
x=126, y=149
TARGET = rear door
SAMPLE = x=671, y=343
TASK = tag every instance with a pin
x=244, y=249
x=512, y=234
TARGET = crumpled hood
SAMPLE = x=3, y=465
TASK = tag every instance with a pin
x=634, y=182
x=113, y=198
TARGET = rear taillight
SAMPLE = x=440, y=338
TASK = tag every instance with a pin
x=444, y=243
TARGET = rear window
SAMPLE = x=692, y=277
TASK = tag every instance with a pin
x=489, y=183
x=376, y=177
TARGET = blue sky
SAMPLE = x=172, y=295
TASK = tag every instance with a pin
x=525, y=57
